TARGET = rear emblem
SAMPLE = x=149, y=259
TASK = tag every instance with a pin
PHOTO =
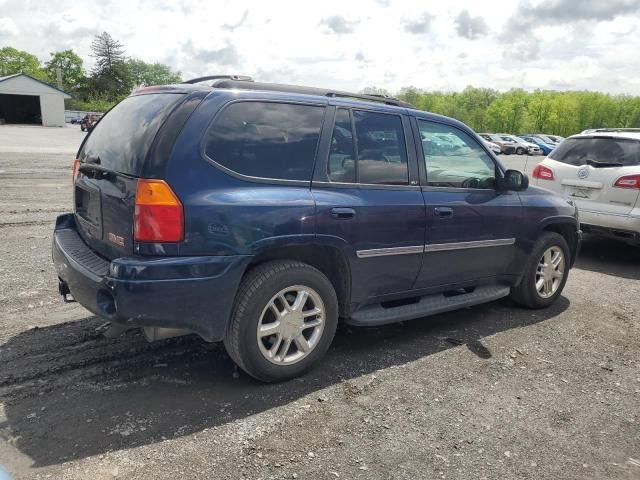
x=583, y=173
x=117, y=239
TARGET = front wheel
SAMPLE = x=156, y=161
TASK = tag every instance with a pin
x=520, y=151
x=546, y=273
x=284, y=319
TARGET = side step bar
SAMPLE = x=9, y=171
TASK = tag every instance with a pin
x=375, y=315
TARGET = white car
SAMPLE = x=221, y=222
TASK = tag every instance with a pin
x=600, y=172
x=522, y=146
x=494, y=147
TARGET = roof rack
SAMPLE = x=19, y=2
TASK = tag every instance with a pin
x=614, y=129
x=245, y=83
x=238, y=78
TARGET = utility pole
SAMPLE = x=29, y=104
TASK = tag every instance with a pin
x=59, y=77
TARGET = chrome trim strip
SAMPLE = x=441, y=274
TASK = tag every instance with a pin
x=439, y=247
x=383, y=252
x=434, y=247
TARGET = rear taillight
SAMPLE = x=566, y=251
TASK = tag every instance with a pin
x=542, y=172
x=628, y=181
x=75, y=170
x=158, y=213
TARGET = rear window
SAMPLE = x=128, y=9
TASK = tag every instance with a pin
x=598, y=152
x=121, y=141
x=266, y=139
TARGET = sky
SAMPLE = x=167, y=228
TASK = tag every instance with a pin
x=350, y=45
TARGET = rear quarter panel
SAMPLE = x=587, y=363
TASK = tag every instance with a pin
x=224, y=214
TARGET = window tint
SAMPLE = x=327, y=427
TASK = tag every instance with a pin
x=382, y=154
x=342, y=165
x=121, y=141
x=268, y=140
x=454, y=159
x=598, y=152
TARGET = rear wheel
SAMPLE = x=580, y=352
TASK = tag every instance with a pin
x=546, y=273
x=284, y=320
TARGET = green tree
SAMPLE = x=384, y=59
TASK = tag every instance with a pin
x=141, y=73
x=14, y=61
x=109, y=75
x=70, y=66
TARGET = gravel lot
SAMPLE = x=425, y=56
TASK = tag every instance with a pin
x=551, y=394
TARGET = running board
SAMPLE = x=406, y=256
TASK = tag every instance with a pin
x=374, y=315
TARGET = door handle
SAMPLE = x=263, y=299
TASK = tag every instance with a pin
x=343, y=213
x=444, y=212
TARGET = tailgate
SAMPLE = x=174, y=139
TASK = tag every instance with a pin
x=112, y=158
x=104, y=208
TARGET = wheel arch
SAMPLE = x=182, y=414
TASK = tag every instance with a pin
x=329, y=260
x=569, y=229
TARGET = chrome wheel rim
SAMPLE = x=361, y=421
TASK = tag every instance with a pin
x=550, y=272
x=291, y=325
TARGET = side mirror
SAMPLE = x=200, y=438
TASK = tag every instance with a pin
x=514, y=180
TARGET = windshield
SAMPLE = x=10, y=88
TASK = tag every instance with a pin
x=598, y=152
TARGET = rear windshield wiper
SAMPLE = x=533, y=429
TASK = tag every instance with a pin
x=597, y=164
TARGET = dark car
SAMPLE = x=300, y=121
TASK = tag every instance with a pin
x=89, y=121
x=259, y=214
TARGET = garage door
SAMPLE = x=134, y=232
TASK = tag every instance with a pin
x=20, y=109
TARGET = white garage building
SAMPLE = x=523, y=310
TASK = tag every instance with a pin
x=24, y=99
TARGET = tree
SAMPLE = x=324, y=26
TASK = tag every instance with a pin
x=18, y=61
x=109, y=73
x=141, y=73
x=70, y=66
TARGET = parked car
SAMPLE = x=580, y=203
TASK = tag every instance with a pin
x=545, y=138
x=544, y=146
x=89, y=121
x=259, y=214
x=600, y=171
x=555, y=138
x=507, y=148
x=522, y=146
x=494, y=147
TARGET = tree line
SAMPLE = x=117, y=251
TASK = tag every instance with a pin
x=113, y=76
x=518, y=111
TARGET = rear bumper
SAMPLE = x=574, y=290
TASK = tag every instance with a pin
x=190, y=293
x=615, y=225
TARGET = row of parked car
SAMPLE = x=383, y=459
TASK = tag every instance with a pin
x=526, y=143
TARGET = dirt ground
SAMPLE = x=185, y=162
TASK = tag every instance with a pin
x=552, y=394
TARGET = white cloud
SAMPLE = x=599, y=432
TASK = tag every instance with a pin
x=350, y=45
x=8, y=27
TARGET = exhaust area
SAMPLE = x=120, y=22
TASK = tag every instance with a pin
x=156, y=333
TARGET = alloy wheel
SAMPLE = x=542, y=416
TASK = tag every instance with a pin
x=550, y=272
x=291, y=325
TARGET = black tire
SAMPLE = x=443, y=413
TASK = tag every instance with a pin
x=526, y=293
x=520, y=151
x=256, y=290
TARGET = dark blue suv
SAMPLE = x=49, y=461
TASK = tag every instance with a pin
x=260, y=214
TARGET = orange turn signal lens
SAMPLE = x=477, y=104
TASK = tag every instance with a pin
x=158, y=213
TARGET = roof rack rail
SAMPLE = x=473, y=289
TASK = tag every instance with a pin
x=238, y=78
x=279, y=87
x=372, y=97
x=622, y=129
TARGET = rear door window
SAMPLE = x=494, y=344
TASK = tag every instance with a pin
x=368, y=148
x=266, y=139
x=121, y=140
x=382, y=153
x=598, y=152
